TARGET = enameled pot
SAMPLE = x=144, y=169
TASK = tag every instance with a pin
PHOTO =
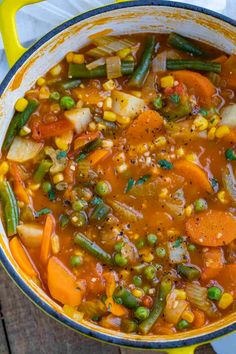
x=28, y=65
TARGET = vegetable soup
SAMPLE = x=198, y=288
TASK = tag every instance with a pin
x=117, y=183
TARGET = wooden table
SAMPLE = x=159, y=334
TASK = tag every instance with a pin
x=24, y=329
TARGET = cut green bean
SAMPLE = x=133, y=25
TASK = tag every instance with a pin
x=80, y=71
x=17, y=122
x=188, y=272
x=100, y=212
x=184, y=44
x=70, y=84
x=10, y=209
x=141, y=71
x=189, y=64
x=42, y=170
x=128, y=299
x=92, y=248
x=158, y=307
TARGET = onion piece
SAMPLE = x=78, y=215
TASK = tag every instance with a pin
x=229, y=115
x=174, y=308
x=113, y=67
x=197, y=295
x=159, y=62
x=23, y=150
x=94, y=64
x=177, y=253
x=126, y=211
x=108, y=46
x=229, y=182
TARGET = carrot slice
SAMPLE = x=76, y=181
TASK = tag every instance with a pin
x=199, y=318
x=98, y=156
x=19, y=186
x=21, y=257
x=199, y=84
x=62, y=284
x=111, y=280
x=194, y=173
x=227, y=279
x=114, y=308
x=221, y=59
x=84, y=139
x=145, y=126
x=213, y=259
x=46, y=240
x=212, y=228
x=44, y=131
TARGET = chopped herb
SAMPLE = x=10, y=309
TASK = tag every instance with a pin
x=103, y=298
x=214, y=184
x=203, y=112
x=64, y=221
x=142, y=180
x=130, y=184
x=81, y=156
x=96, y=201
x=230, y=154
x=178, y=242
x=51, y=195
x=175, y=98
x=43, y=211
x=95, y=318
x=117, y=300
x=165, y=164
x=61, y=154
x=157, y=102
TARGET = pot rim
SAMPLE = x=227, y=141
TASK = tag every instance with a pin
x=26, y=289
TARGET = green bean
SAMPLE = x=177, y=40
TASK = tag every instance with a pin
x=128, y=326
x=93, y=248
x=80, y=71
x=93, y=145
x=70, y=84
x=17, y=122
x=158, y=307
x=198, y=65
x=9, y=207
x=184, y=44
x=100, y=212
x=141, y=71
x=128, y=299
x=42, y=170
x=188, y=272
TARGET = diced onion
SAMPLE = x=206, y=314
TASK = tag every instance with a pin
x=197, y=295
x=229, y=115
x=94, y=64
x=108, y=46
x=159, y=62
x=177, y=254
x=174, y=308
x=113, y=67
x=229, y=182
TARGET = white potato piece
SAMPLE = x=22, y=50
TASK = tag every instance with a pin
x=79, y=117
x=127, y=105
x=23, y=150
x=229, y=116
x=177, y=253
x=30, y=234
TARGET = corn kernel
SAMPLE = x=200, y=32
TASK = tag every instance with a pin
x=123, y=53
x=214, y=120
x=211, y=134
x=56, y=70
x=44, y=93
x=34, y=187
x=63, y=141
x=123, y=120
x=55, y=243
x=148, y=257
x=222, y=131
x=109, y=116
x=41, y=81
x=109, y=85
x=136, y=93
x=107, y=105
x=122, y=168
x=119, y=157
x=225, y=301
x=58, y=178
x=69, y=57
x=188, y=316
x=200, y=123
x=107, y=143
x=101, y=127
x=164, y=193
x=4, y=168
x=92, y=126
x=180, y=152
x=78, y=59
x=79, y=104
x=20, y=204
x=55, y=108
x=191, y=157
x=180, y=294
x=138, y=293
x=222, y=197
x=124, y=274
x=129, y=58
x=160, y=141
x=189, y=210
x=167, y=81
x=135, y=236
x=21, y=104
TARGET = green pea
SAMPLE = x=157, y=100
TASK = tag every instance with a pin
x=137, y=280
x=119, y=246
x=214, y=293
x=192, y=248
x=157, y=102
x=152, y=239
x=150, y=272
x=76, y=261
x=79, y=218
x=102, y=188
x=200, y=204
x=55, y=96
x=140, y=243
x=141, y=313
x=182, y=324
x=160, y=252
x=120, y=260
x=46, y=187
x=67, y=102
x=79, y=204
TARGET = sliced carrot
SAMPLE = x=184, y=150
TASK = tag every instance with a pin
x=98, y=156
x=221, y=59
x=194, y=173
x=114, y=308
x=62, y=284
x=200, y=85
x=21, y=257
x=84, y=139
x=212, y=228
x=89, y=95
x=227, y=279
x=48, y=231
x=213, y=259
x=145, y=127
x=199, y=318
x=44, y=131
x=111, y=280
x=19, y=186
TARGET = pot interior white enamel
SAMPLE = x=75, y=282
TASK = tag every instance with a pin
x=113, y=20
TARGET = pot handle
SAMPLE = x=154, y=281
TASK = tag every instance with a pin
x=183, y=350
x=8, y=9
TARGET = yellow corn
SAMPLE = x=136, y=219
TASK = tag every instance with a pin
x=225, y=301
x=138, y=293
x=55, y=243
x=119, y=157
x=56, y=70
x=221, y=195
x=136, y=93
x=222, y=131
x=21, y=104
x=109, y=85
x=160, y=141
x=124, y=274
x=148, y=257
x=122, y=168
x=58, y=178
x=191, y=157
x=41, y=81
x=78, y=59
x=69, y=57
x=63, y=141
x=4, y=168
x=167, y=81
x=55, y=108
x=172, y=232
x=44, y=93
x=123, y=120
x=129, y=58
x=101, y=127
x=92, y=126
x=180, y=294
x=188, y=316
x=180, y=152
x=200, y=123
x=34, y=187
x=189, y=210
x=107, y=105
x=20, y=204
x=109, y=116
x=214, y=120
x=212, y=133
x=164, y=193
x=107, y=143
x=122, y=53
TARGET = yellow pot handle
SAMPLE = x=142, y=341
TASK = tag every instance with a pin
x=8, y=9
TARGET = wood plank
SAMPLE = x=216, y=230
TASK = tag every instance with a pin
x=3, y=341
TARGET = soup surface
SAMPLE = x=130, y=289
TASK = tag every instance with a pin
x=117, y=183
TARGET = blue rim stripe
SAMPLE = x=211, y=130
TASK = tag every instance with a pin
x=9, y=267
